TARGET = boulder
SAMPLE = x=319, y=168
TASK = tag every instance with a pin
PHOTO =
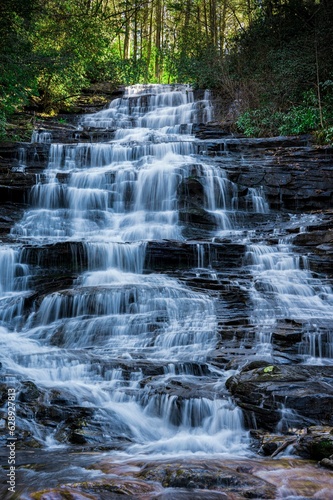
x=214, y=476
x=295, y=395
x=316, y=444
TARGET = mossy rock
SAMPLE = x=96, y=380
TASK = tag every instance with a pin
x=315, y=447
x=323, y=448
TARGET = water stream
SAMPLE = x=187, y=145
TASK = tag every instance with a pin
x=114, y=197
x=132, y=347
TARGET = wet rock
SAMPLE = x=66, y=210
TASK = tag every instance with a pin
x=3, y=393
x=84, y=436
x=30, y=442
x=286, y=174
x=191, y=201
x=29, y=392
x=251, y=178
x=263, y=394
x=327, y=462
x=198, y=217
x=287, y=335
x=81, y=427
x=212, y=476
x=57, y=412
x=185, y=494
x=270, y=444
x=162, y=255
x=255, y=365
x=191, y=191
x=316, y=444
x=269, y=143
x=171, y=255
x=183, y=389
x=20, y=160
x=10, y=214
x=273, y=444
x=148, y=368
x=314, y=238
x=277, y=180
x=101, y=489
x=64, y=255
x=210, y=130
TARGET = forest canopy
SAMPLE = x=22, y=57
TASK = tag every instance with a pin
x=271, y=60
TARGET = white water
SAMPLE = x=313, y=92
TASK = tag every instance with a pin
x=285, y=289
x=14, y=278
x=114, y=197
x=41, y=136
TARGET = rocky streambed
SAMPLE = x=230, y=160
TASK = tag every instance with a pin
x=254, y=346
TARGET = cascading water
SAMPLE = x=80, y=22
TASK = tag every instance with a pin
x=285, y=288
x=130, y=354
x=14, y=278
x=112, y=198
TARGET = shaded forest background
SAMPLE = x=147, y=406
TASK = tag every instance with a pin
x=269, y=63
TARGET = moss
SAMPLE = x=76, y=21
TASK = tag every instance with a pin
x=322, y=449
x=268, y=372
x=44, y=494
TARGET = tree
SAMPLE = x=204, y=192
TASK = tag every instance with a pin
x=17, y=72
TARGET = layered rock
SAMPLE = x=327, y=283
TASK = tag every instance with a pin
x=294, y=396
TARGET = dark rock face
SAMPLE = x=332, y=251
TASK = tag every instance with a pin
x=171, y=255
x=16, y=179
x=113, y=489
x=210, y=131
x=291, y=182
x=284, y=167
x=58, y=412
x=314, y=238
x=265, y=392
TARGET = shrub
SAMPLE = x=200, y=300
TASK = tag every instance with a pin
x=260, y=122
x=324, y=136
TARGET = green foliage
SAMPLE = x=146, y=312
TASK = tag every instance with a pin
x=277, y=52
x=303, y=118
x=325, y=135
x=200, y=67
x=265, y=122
x=131, y=71
x=299, y=119
x=69, y=44
x=17, y=75
x=260, y=122
x=279, y=61
x=247, y=124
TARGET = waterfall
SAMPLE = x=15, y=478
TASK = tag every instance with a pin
x=97, y=339
x=7, y=269
x=14, y=279
x=41, y=136
x=285, y=288
x=128, y=345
